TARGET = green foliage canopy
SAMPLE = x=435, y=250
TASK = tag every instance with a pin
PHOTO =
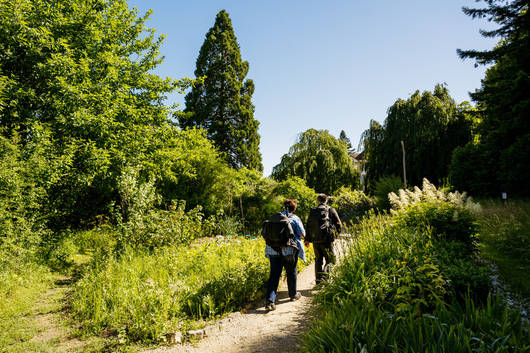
x=430, y=124
x=499, y=160
x=321, y=160
x=222, y=104
x=77, y=78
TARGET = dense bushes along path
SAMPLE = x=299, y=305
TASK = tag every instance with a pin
x=257, y=330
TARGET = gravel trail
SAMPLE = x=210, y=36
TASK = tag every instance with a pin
x=256, y=330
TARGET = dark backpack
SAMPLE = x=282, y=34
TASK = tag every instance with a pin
x=320, y=224
x=277, y=230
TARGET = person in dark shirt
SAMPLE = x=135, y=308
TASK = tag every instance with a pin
x=322, y=239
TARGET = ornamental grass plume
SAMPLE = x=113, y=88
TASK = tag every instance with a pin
x=429, y=192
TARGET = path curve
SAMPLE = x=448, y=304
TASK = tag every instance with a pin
x=257, y=330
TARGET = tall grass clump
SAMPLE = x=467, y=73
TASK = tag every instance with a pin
x=505, y=240
x=141, y=295
x=460, y=327
x=410, y=282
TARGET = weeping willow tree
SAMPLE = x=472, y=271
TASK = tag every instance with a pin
x=430, y=124
x=371, y=144
x=321, y=160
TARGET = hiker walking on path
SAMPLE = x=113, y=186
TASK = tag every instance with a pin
x=284, y=253
x=322, y=224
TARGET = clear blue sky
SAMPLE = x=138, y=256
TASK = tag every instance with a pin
x=330, y=65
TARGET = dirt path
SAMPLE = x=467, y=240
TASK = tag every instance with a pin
x=257, y=330
x=48, y=319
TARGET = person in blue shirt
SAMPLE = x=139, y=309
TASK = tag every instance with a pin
x=287, y=258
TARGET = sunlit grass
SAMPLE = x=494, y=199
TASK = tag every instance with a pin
x=408, y=285
x=505, y=240
x=21, y=286
x=142, y=295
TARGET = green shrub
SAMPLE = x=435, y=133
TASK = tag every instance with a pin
x=463, y=275
x=445, y=219
x=222, y=224
x=159, y=228
x=96, y=240
x=352, y=204
x=22, y=173
x=450, y=218
x=388, y=266
x=385, y=186
x=295, y=188
x=401, y=287
x=58, y=251
x=449, y=215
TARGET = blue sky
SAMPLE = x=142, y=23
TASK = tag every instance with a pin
x=330, y=65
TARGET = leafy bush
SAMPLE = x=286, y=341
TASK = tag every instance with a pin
x=296, y=188
x=388, y=266
x=160, y=228
x=385, y=186
x=352, y=204
x=449, y=215
x=463, y=275
x=222, y=224
x=446, y=220
x=402, y=287
x=21, y=222
x=141, y=224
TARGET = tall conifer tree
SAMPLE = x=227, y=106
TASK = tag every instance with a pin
x=222, y=104
x=500, y=161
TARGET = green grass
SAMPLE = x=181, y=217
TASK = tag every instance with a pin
x=21, y=286
x=408, y=285
x=505, y=240
x=360, y=326
x=142, y=295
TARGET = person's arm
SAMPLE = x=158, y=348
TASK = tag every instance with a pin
x=335, y=219
x=301, y=230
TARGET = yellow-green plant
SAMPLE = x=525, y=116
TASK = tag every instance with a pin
x=144, y=294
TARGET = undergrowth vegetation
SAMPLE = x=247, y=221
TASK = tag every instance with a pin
x=352, y=205
x=140, y=296
x=505, y=240
x=411, y=282
x=22, y=284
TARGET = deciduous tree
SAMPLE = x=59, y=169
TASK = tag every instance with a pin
x=430, y=124
x=80, y=74
x=321, y=160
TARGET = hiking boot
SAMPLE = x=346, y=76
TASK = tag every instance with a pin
x=297, y=296
x=270, y=306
